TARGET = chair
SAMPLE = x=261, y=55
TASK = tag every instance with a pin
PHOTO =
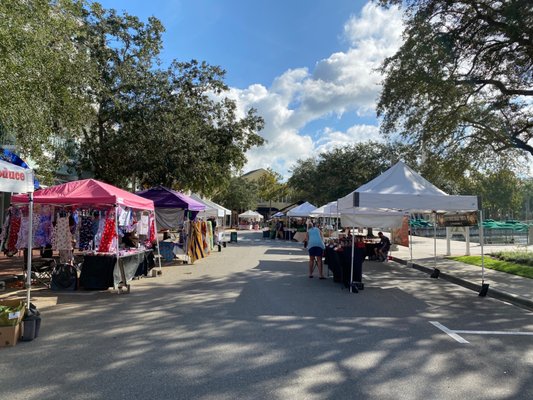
x=41, y=270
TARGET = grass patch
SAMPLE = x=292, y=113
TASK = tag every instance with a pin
x=498, y=265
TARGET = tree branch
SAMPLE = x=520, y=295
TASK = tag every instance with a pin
x=494, y=82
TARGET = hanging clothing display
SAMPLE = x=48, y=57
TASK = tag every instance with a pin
x=14, y=227
x=43, y=233
x=86, y=233
x=143, y=225
x=108, y=234
x=62, y=237
x=195, y=244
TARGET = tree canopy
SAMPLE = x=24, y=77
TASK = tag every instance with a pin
x=87, y=82
x=44, y=76
x=463, y=78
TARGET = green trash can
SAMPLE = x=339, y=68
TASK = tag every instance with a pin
x=233, y=237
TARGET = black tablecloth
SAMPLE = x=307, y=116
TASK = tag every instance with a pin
x=99, y=272
x=339, y=263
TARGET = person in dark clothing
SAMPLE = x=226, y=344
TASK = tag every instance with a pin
x=383, y=248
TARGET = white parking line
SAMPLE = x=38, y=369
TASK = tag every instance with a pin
x=454, y=332
x=449, y=332
x=495, y=333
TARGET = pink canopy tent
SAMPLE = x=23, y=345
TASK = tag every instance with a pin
x=87, y=192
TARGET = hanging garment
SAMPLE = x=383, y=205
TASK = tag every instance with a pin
x=108, y=234
x=62, y=238
x=14, y=227
x=142, y=225
x=210, y=235
x=5, y=228
x=86, y=233
x=43, y=233
x=22, y=236
x=195, y=243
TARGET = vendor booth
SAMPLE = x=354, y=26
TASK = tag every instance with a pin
x=400, y=190
x=249, y=220
x=173, y=212
x=113, y=230
x=302, y=212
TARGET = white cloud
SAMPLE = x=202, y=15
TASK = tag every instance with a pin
x=345, y=82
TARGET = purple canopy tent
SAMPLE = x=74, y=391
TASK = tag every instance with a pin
x=168, y=198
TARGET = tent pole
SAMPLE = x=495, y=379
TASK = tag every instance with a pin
x=351, y=269
x=435, y=239
x=481, y=240
x=410, y=240
x=156, y=240
x=30, y=249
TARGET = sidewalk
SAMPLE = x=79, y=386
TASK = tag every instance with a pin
x=503, y=286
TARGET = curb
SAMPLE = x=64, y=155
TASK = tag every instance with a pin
x=494, y=293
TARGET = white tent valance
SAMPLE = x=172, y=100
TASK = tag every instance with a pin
x=375, y=218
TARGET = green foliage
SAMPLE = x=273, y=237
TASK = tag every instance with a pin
x=238, y=195
x=461, y=82
x=500, y=191
x=514, y=268
x=44, y=76
x=270, y=187
x=84, y=84
x=159, y=126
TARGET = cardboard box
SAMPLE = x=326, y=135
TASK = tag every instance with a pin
x=14, y=317
x=9, y=335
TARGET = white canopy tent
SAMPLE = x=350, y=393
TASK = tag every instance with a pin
x=15, y=179
x=402, y=189
x=303, y=210
x=251, y=215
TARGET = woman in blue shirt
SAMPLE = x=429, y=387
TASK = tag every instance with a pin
x=315, y=244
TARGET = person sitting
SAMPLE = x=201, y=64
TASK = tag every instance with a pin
x=383, y=247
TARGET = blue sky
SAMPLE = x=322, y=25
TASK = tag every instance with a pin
x=307, y=66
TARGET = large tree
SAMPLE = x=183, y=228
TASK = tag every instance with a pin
x=463, y=78
x=44, y=76
x=168, y=126
x=238, y=195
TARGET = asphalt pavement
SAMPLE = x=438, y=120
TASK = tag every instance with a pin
x=247, y=323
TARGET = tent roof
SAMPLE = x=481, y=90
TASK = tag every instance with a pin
x=327, y=210
x=212, y=209
x=303, y=210
x=87, y=192
x=400, y=179
x=167, y=198
x=250, y=214
x=401, y=188
x=15, y=179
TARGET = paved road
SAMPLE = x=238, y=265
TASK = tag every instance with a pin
x=247, y=323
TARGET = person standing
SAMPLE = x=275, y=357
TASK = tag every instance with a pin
x=315, y=244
